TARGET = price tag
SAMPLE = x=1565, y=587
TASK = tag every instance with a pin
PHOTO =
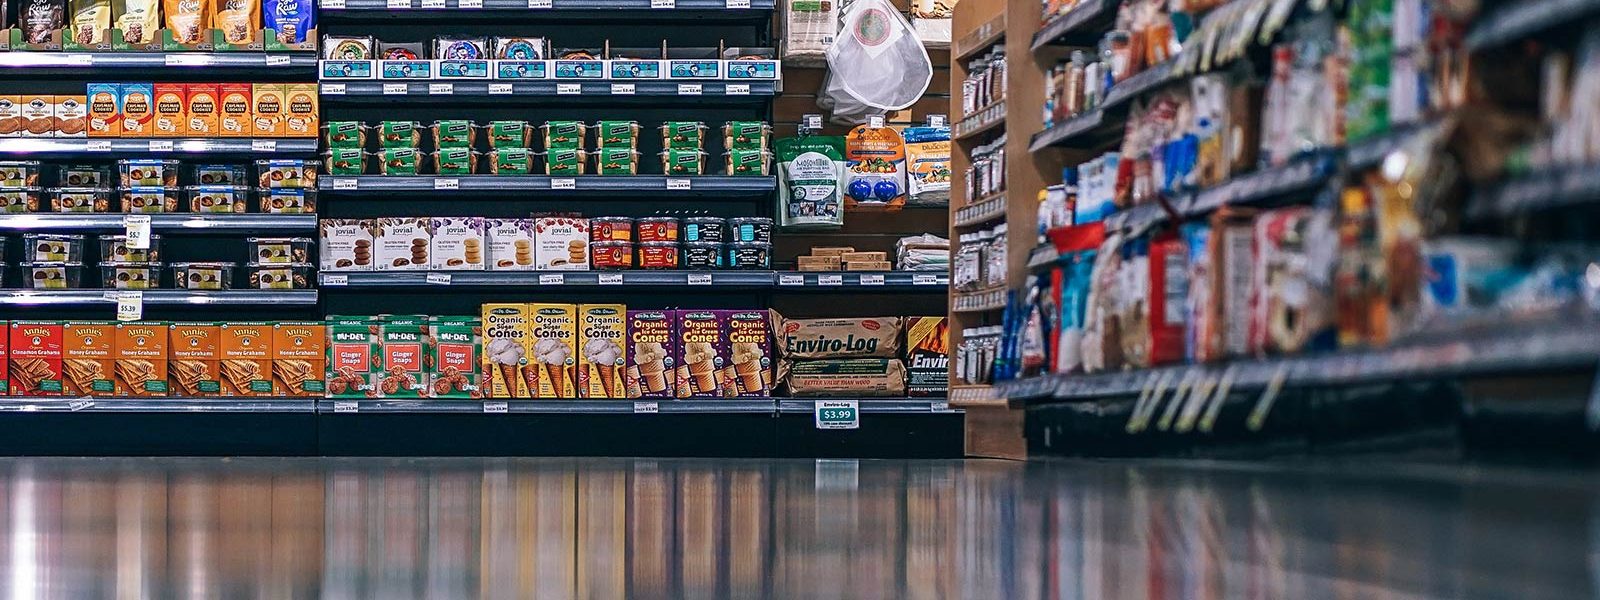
x=344, y=407
x=552, y=279
x=678, y=183
x=392, y=89
x=924, y=280
x=737, y=4
x=345, y=183
x=699, y=279
x=331, y=4
x=98, y=146
x=791, y=279
x=875, y=122
x=838, y=414
x=568, y=89
x=610, y=279
x=541, y=4
x=499, y=89
x=441, y=89
x=936, y=120
x=496, y=407
x=938, y=406
x=663, y=3
x=77, y=405
x=470, y=4
x=446, y=183
x=646, y=408
x=622, y=89
x=876, y=279
x=398, y=4
x=563, y=183
x=438, y=279
x=830, y=280
x=137, y=229
x=277, y=60
x=263, y=145
x=160, y=145
x=737, y=89
x=813, y=122
x=688, y=89
x=335, y=279
x=333, y=89
x=130, y=305
x=80, y=60
x=188, y=60
x=431, y=4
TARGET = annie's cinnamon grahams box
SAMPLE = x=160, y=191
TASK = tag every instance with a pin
x=194, y=353
x=140, y=368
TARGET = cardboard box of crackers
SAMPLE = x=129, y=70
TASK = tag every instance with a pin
x=194, y=355
x=246, y=359
x=453, y=345
x=702, y=351
x=140, y=367
x=299, y=355
x=603, y=356
x=457, y=243
x=507, y=351
x=352, y=346
x=554, y=329
x=345, y=244
x=87, y=358
x=35, y=358
x=401, y=243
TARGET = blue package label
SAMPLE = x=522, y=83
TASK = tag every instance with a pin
x=580, y=69
x=463, y=69
x=752, y=69
x=521, y=69
x=635, y=69
x=695, y=69
x=347, y=69
x=406, y=69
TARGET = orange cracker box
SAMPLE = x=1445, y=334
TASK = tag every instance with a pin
x=35, y=356
x=267, y=104
x=507, y=351
x=237, y=107
x=105, y=110
x=299, y=358
x=246, y=364
x=87, y=358
x=300, y=114
x=602, y=351
x=202, y=107
x=140, y=365
x=38, y=115
x=138, y=109
x=171, y=118
x=194, y=357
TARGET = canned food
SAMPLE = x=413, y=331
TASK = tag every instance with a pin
x=130, y=275
x=214, y=199
x=114, y=248
x=51, y=275
x=287, y=201
x=658, y=255
x=611, y=229
x=287, y=173
x=217, y=175
x=612, y=255
x=294, y=276
x=147, y=172
x=85, y=176
x=202, y=275
x=19, y=173
x=750, y=229
x=19, y=200
x=749, y=255
x=150, y=200
x=279, y=250
x=704, y=229
x=702, y=255
x=657, y=229
x=80, y=200
x=52, y=247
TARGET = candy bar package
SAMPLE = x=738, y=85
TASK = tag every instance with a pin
x=858, y=337
x=651, y=352
x=291, y=22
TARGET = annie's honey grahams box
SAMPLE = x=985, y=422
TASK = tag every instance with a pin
x=194, y=355
x=87, y=357
x=140, y=367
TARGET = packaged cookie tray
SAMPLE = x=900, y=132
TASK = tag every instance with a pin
x=192, y=199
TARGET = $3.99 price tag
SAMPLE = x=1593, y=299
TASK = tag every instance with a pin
x=838, y=414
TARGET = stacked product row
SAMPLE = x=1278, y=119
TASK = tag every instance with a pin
x=143, y=110
x=56, y=261
x=160, y=186
x=980, y=262
x=871, y=168
x=157, y=25
x=516, y=57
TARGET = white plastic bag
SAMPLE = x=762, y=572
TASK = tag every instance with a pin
x=876, y=65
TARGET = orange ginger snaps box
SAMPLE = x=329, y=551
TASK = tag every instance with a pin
x=203, y=108
x=299, y=358
x=140, y=367
x=35, y=356
x=194, y=354
x=87, y=358
x=246, y=363
x=171, y=113
x=267, y=100
x=235, y=117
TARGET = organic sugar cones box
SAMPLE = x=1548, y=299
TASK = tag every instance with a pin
x=403, y=355
x=352, y=357
x=652, y=339
x=603, y=361
x=507, y=350
x=246, y=363
x=555, y=355
x=35, y=356
x=140, y=367
x=194, y=356
x=87, y=358
x=453, y=347
x=749, y=338
x=299, y=355
x=702, y=353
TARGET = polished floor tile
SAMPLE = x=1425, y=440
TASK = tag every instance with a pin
x=620, y=528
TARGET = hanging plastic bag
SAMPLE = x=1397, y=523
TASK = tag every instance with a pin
x=877, y=64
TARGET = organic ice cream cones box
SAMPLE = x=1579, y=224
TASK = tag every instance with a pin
x=140, y=367
x=299, y=355
x=453, y=348
x=507, y=350
x=403, y=355
x=555, y=353
x=35, y=356
x=194, y=354
x=352, y=357
x=702, y=352
x=603, y=358
x=87, y=358
x=246, y=363
x=749, y=368
x=651, y=352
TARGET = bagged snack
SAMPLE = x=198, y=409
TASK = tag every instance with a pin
x=238, y=20
x=927, y=165
x=187, y=19
x=139, y=21
x=810, y=175
x=837, y=338
x=291, y=20
x=39, y=19
x=91, y=19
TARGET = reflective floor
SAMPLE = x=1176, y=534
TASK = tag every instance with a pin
x=616, y=528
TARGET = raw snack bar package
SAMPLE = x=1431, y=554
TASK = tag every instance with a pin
x=749, y=370
x=352, y=357
x=651, y=352
x=928, y=356
x=87, y=351
x=555, y=333
x=702, y=352
x=603, y=361
x=194, y=354
x=141, y=359
x=507, y=350
x=402, y=355
x=36, y=358
x=299, y=352
x=246, y=363
x=453, y=347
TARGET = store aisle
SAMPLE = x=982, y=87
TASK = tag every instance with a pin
x=614, y=528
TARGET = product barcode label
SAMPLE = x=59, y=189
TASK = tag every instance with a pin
x=346, y=183
x=688, y=89
x=939, y=406
x=924, y=280
x=552, y=279
x=160, y=145
x=699, y=279
x=330, y=279
x=77, y=405
x=813, y=122
x=496, y=407
x=568, y=89
x=390, y=89
x=936, y=120
x=333, y=89
x=79, y=60
x=438, y=279
x=610, y=279
x=791, y=279
x=641, y=408
x=263, y=145
x=137, y=230
x=441, y=89
x=277, y=60
x=346, y=407
x=446, y=183
x=99, y=146
x=188, y=60
x=737, y=89
x=563, y=183
x=499, y=89
x=830, y=280
x=429, y=4
x=678, y=183
x=738, y=4
x=470, y=4
x=872, y=279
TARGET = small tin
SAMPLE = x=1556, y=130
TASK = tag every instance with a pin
x=750, y=229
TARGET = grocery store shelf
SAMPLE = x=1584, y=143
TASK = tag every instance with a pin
x=1372, y=151
x=980, y=301
x=1082, y=25
x=1255, y=188
x=160, y=297
x=1043, y=256
x=456, y=92
x=982, y=211
x=160, y=223
x=1103, y=124
x=159, y=405
x=981, y=121
x=1556, y=188
x=699, y=185
x=1512, y=21
x=560, y=9
x=976, y=395
x=712, y=280
x=13, y=63
x=574, y=406
x=121, y=147
x=873, y=405
x=980, y=38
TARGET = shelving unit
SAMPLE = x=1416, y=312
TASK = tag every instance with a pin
x=255, y=223
x=711, y=280
x=112, y=148
x=700, y=186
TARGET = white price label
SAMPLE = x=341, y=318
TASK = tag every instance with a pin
x=924, y=279
x=335, y=279
x=737, y=4
x=552, y=279
x=541, y=4
x=98, y=146
x=737, y=89
x=699, y=279
x=688, y=89
x=568, y=89
x=80, y=60
x=446, y=183
x=345, y=407
x=160, y=145
x=438, y=279
x=333, y=89
x=263, y=145
x=137, y=230
x=876, y=279
x=188, y=60
x=470, y=4
x=441, y=89
x=678, y=183
x=875, y=122
x=791, y=279
x=936, y=120
x=813, y=122
x=428, y=4
x=130, y=306
x=496, y=407
x=939, y=406
x=394, y=4
x=346, y=183
x=499, y=89
x=838, y=414
x=642, y=408
x=610, y=279
x=393, y=89
x=277, y=60
x=622, y=89
x=830, y=280
x=331, y=4
x=663, y=3
x=77, y=405
x=563, y=183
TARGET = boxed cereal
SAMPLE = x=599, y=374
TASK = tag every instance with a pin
x=602, y=333
x=72, y=116
x=38, y=115
x=171, y=111
x=194, y=355
x=402, y=244
x=453, y=347
x=87, y=355
x=508, y=348
x=702, y=352
x=267, y=102
x=927, y=356
x=203, y=108
x=300, y=116
x=138, y=109
x=554, y=355
x=561, y=243
x=246, y=363
x=402, y=354
x=749, y=372
x=234, y=117
x=141, y=359
x=35, y=356
x=105, y=110
x=352, y=357
x=299, y=352
x=652, y=346
x=457, y=243
x=510, y=243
